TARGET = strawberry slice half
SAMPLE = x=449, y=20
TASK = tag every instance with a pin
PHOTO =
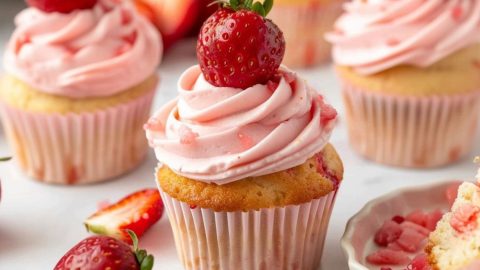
x=136, y=212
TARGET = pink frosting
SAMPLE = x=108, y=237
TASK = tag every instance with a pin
x=219, y=135
x=86, y=53
x=376, y=35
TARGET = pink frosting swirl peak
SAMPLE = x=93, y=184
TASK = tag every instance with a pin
x=376, y=35
x=220, y=134
x=85, y=53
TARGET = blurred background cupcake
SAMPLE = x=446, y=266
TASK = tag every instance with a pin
x=410, y=78
x=304, y=24
x=79, y=83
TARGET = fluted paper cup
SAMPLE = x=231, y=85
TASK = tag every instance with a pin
x=281, y=238
x=78, y=148
x=418, y=132
x=304, y=26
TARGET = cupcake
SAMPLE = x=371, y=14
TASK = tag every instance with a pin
x=246, y=172
x=79, y=83
x=304, y=24
x=455, y=244
x=410, y=77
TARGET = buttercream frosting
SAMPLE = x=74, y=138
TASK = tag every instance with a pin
x=86, y=53
x=375, y=35
x=221, y=134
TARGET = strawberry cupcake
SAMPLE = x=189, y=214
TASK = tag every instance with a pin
x=246, y=172
x=410, y=77
x=79, y=83
x=304, y=24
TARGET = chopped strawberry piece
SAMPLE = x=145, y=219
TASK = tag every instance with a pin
x=136, y=212
x=394, y=246
x=328, y=113
x=385, y=268
x=433, y=218
x=388, y=233
x=452, y=192
x=457, y=13
x=154, y=124
x=388, y=257
x=245, y=140
x=187, y=136
x=420, y=262
x=416, y=227
x=411, y=240
x=418, y=217
x=398, y=219
x=464, y=218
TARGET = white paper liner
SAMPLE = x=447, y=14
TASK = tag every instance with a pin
x=289, y=237
x=411, y=131
x=304, y=26
x=78, y=148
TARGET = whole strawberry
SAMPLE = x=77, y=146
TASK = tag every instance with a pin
x=62, y=6
x=238, y=47
x=103, y=252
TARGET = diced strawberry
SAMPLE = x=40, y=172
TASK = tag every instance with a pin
x=398, y=219
x=419, y=263
x=452, y=192
x=187, y=136
x=388, y=257
x=385, y=268
x=416, y=227
x=388, y=233
x=136, y=212
x=395, y=246
x=464, y=218
x=410, y=240
x=433, y=218
x=418, y=217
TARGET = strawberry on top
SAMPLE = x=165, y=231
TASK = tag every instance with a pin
x=238, y=47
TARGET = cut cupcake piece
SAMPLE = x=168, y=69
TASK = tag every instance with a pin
x=455, y=244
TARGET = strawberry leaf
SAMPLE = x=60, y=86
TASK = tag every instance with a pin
x=147, y=263
x=267, y=6
x=258, y=8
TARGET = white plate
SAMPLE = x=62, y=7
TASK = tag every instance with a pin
x=357, y=242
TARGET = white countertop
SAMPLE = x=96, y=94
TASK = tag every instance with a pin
x=39, y=223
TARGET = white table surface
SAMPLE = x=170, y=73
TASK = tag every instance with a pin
x=39, y=223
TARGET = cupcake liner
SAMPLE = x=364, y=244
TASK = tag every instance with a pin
x=304, y=26
x=412, y=131
x=290, y=237
x=78, y=148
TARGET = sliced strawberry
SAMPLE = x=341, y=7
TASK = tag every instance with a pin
x=418, y=217
x=411, y=240
x=464, y=218
x=416, y=227
x=419, y=263
x=452, y=192
x=388, y=257
x=136, y=212
x=432, y=219
x=388, y=233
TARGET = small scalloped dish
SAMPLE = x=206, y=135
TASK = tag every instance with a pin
x=357, y=242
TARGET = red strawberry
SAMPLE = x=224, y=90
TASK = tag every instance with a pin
x=103, y=252
x=136, y=212
x=238, y=47
x=389, y=257
x=388, y=233
x=61, y=6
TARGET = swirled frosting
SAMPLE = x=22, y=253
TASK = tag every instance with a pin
x=85, y=53
x=220, y=134
x=375, y=35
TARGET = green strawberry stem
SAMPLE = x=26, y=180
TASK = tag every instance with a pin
x=144, y=259
x=258, y=7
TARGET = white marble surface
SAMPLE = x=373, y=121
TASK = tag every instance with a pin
x=39, y=223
